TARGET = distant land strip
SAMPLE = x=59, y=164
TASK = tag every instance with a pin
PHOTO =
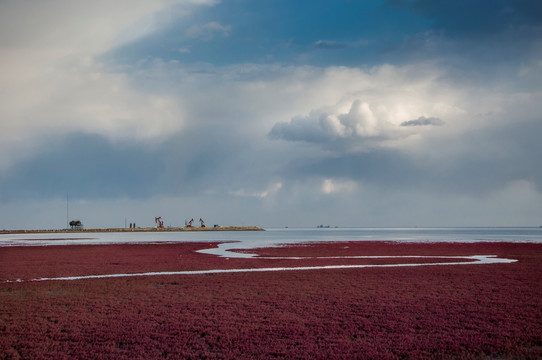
x=145, y=229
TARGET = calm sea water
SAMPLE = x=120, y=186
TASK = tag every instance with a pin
x=273, y=237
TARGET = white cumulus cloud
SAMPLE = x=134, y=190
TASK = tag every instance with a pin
x=375, y=107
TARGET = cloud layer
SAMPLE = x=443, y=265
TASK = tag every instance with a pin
x=164, y=107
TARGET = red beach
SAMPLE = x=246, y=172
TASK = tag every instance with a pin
x=465, y=310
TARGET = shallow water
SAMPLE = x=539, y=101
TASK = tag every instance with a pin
x=274, y=237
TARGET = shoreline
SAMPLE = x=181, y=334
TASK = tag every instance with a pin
x=119, y=230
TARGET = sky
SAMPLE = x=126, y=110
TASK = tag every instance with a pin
x=379, y=113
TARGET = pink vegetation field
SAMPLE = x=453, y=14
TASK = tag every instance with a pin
x=465, y=310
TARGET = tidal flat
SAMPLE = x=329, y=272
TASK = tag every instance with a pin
x=460, y=310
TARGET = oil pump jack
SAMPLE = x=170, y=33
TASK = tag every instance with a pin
x=202, y=222
x=189, y=224
x=159, y=222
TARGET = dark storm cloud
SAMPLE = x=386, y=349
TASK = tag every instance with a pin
x=86, y=165
x=91, y=167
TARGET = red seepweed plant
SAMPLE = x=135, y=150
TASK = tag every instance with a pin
x=467, y=311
